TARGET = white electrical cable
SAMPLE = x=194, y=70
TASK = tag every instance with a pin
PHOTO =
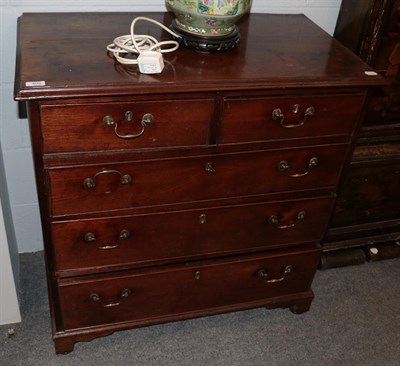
x=136, y=44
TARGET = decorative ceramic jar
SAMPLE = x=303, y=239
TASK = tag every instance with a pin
x=208, y=25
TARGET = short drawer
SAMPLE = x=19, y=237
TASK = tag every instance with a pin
x=160, y=182
x=182, y=235
x=116, y=126
x=182, y=290
x=275, y=118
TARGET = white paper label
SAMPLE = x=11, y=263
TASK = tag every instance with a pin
x=374, y=251
x=371, y=73
x=35, y=83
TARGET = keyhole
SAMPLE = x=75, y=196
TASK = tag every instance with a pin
x=202, y=218
x=296, y=108
x=128, y=116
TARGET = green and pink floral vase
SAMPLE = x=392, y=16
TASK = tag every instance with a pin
x=208, y=25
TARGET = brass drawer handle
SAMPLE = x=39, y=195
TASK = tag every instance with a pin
x=91, y=238
x=284, y=166
x=147, y=120
x=277, y=114
x=124, y=294
x=273, y=220
x=90, y=183
x=263, y=274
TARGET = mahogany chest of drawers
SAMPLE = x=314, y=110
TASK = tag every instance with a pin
x=201, y=190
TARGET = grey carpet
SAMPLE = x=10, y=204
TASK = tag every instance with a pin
x=354, y=320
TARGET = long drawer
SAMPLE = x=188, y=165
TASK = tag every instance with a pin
x=257, y=119
x=183, y=235
x=171, y=291
x=106, y=187
x=134, y=125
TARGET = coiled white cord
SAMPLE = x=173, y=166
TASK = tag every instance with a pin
x=136, y=44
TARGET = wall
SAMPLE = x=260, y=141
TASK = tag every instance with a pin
x=9, y=307
x=14, y=132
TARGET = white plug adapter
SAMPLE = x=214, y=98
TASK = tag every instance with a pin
x=150, y=62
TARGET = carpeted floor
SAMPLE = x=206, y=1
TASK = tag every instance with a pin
x=354, y=320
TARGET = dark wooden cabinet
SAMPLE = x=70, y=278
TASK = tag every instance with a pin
x=204, y=189
x=367, y=215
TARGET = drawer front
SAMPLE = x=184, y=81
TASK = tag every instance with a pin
x=265, y=119
x=158, y=182
x=116, y=126
x=165, y=292
x=182, y=235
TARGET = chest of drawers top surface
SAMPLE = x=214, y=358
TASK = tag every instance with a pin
x=276, y=51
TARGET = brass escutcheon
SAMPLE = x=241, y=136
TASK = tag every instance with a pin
x=202, y=218
x=209, y=168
